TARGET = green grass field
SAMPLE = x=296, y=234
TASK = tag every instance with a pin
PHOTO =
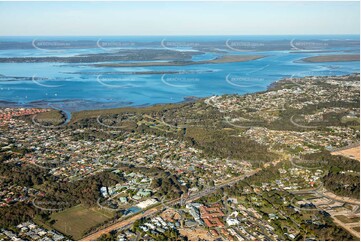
x=52, y=117
x=76, y=220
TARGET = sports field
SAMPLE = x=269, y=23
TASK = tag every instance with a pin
x=76, y=220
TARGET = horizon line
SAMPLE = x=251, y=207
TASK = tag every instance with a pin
x=161, y=35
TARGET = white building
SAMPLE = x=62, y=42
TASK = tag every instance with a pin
x=147, y=203
x=232, y=221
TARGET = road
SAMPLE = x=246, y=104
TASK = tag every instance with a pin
x=121, y=224
x=301, y=126
x=333, y=196
x=154, y=210
x=321, y=192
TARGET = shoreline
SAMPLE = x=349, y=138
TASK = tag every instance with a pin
x=126, y=105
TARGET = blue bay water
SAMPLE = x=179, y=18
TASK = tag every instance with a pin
x=81, y=86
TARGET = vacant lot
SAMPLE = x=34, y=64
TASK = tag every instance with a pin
x=77, y=220
x=345, y=219
x=353, y=153
x=53, y=117
x=196, y=234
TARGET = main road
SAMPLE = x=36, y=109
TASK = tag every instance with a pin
x=151, y=211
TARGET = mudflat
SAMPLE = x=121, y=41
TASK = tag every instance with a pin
x=220, y=60
x=332, y=58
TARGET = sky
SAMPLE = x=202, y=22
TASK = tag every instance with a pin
x=178, y=18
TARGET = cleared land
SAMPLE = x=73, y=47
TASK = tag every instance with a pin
x=350, y=227
x=353, y=153
x=196, y=234
x=346, y=219
x=220, y=60
x=77, y=220
x=52, y=117
x=332, y=58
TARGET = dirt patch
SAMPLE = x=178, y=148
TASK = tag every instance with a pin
x=353, y=153
x=196, y=234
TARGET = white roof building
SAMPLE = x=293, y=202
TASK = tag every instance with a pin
x=147, y=203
